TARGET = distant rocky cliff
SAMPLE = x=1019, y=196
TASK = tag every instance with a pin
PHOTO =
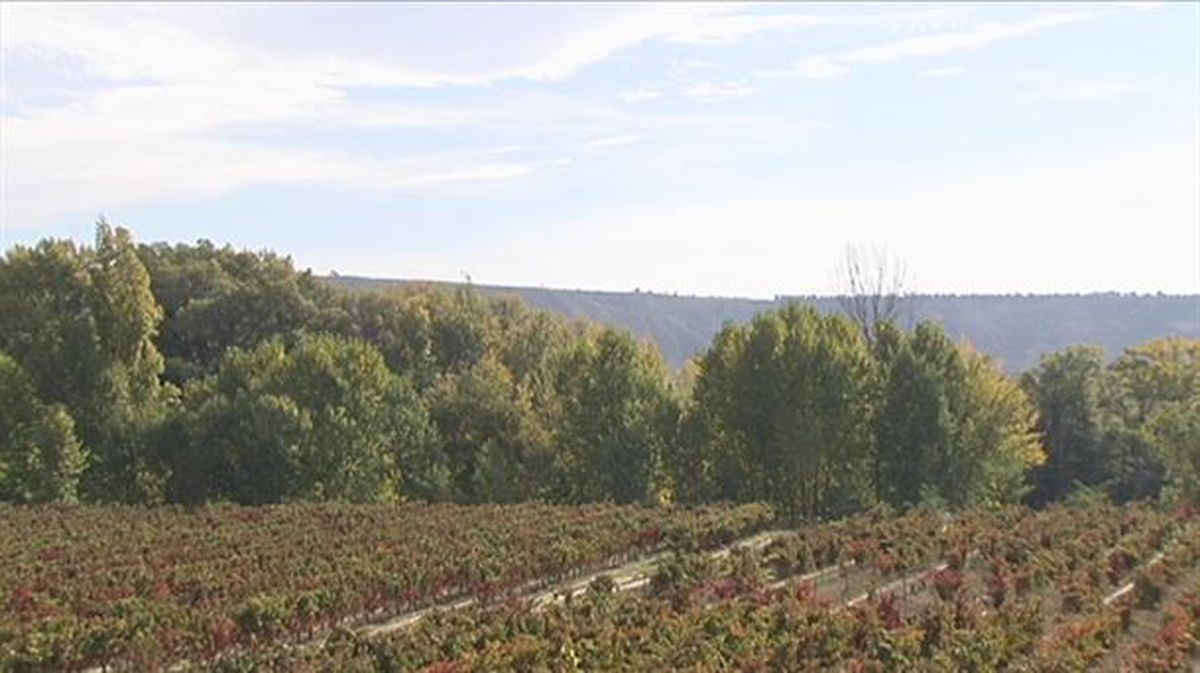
x=1016, y=329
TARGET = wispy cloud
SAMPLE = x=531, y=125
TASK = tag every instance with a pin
x=122, y=167
x=935, y=44
x=946, y=71
x=163, y=82
x=149, y=124
x=1088, y=90
x=940, y=44
x=170, y=105
x=507, y=149
x=1153, y=185
x=607, y=30
x=470, y=173
x=816, y=67
x=710, y=92
x=377, y=115
x=614, y=141
x=634, y=96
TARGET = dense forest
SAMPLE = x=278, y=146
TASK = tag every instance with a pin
x=196, y=373
x=683, y=326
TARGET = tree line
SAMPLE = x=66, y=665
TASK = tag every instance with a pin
x=195, y=373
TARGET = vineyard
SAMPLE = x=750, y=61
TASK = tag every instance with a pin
x=454, y=589
x=146, y=588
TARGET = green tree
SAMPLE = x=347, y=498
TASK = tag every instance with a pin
x=47, y=298
x=137, y=404
x=489, y=434
x=998, y=443
x=427, y=332
x=1175, y=428
x=40, y=458
x=462, y=328
x=1158, y=372
x=950, y=424
x=710, y=460
x=81, y=322
x=399, y=324
x=1069, y=389
x=487, y=367
x=1116, y=427
x=323, y=419
x=782, y=409
x=1158, y=376
x=617, y=419
x=423, y=330
x=917, y=421
x=215, y=299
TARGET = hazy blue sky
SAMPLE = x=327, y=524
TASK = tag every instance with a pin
x=711, y=149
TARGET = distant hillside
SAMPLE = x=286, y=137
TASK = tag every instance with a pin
x=1016, y=329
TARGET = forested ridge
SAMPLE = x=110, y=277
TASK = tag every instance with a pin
x=193, y=373
x=683, y=325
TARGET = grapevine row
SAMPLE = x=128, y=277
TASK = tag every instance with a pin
x=145, y=588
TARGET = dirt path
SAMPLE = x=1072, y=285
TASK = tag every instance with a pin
x=846, y=584
x=901, y=585
x=1145, y=625
x=626, y=577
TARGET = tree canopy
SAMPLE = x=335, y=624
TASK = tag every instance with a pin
x=41, y=460
x=193, y=373
x=323, y=419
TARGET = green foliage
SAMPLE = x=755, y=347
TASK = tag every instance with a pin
x=489, y=436
x=918, y=419
x=782, y=411
x=293, y=389
x=1153, y=383
x=127, y=315
x=1085, y=497
x=797, y=409
x=618, y=417
x=81, y=322
x=1126, y=427
x=321, y=420
x=396, y=323
x=1158, y=372
x=40, y=458
x=1015, y=328
x=997, y=442
x=679, y=573
x=214, y=299
x=423, y=332
x=488, y=370
x=951, y=425
x=1069, y=389
x=1175, y=427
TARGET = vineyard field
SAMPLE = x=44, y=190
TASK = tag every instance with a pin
x=143, y=589
x=443, y=589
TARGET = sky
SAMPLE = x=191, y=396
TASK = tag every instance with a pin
x=712, y=149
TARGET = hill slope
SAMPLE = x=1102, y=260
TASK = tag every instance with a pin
x=1016, y=329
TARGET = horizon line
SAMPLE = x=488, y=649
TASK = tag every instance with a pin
x=776, y=299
